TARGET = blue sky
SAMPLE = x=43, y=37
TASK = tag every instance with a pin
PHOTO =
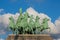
x=49, y=7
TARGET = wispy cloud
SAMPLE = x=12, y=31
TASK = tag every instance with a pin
x=1, y=10
x=40, y=0
x=14, y=1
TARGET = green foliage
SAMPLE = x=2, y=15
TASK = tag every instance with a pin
x=44, y=24
x=22, y=26
x=12, y=24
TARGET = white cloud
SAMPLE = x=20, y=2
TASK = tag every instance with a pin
x=1, y=39
x=2, y=32
x=31, y=11
x=57, y=23
x=4, y=20
x=57, y=39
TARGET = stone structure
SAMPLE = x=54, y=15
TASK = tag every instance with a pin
x=29, y=37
